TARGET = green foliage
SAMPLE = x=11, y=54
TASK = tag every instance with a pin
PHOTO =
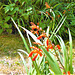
x=26, y=11
x=4, y=25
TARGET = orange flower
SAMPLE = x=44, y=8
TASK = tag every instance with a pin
x=32, y=23
x=64, y=11
x=42, y=35
x=58, y=46
x=46, y=61
x=39, y=37
x=47, y=13
x=36, y=43
x=34, y=47
x=38, y=23
x=49, y=47
x=35, y=51
x=68, y=9
x=47, y=6
x=52, y=18
x=47, y=42
x=33, y=59
x=33, y=27
x=68, y=72
x=58, y=16
x=31, y=53
x=64, y=73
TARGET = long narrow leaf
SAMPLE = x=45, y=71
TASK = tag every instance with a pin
x=23, y=61
x=29, y=40
x=30, y=61
x=64, y=51
x=56, y=27
x=52, y=63
x=60, y=25
x=70, y=42
x=21, y=36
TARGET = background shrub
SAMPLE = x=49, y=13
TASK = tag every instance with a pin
x=26, y=11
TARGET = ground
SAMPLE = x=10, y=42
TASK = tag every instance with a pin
x=10, y=61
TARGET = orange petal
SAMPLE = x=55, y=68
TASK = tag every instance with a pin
x=33, y=27
x=34, y=57
x=38, y=23
x=39, y=53
x=31, y=53
x=58, y=46
x=64, y=73
x=68, y=72
x=68, y=9
x=47, y=42
x=47, y=49
x=36, y=43
x=47, y=6
x=64, y=11
x=47, y=13
x=34, y=47
x=39, y=37
x=58, y=16
x=50, y=47
x=32, y=23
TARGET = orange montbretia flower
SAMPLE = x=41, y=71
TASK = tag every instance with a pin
x=34, y=27
x=64, y=12
x=36, y=43
x=32, y=23
x=47, y=13
x=49, y=47
x=58, y=46
x=64, y=73
x=38, y=23
x=58, y=16
x=67, y=73
x=34, y=47
x=47, y=6
x=35, y=51
x=47, y=42
x=68, y=9
x=42, y=35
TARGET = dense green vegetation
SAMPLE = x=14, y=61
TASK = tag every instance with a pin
x=26, y=11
